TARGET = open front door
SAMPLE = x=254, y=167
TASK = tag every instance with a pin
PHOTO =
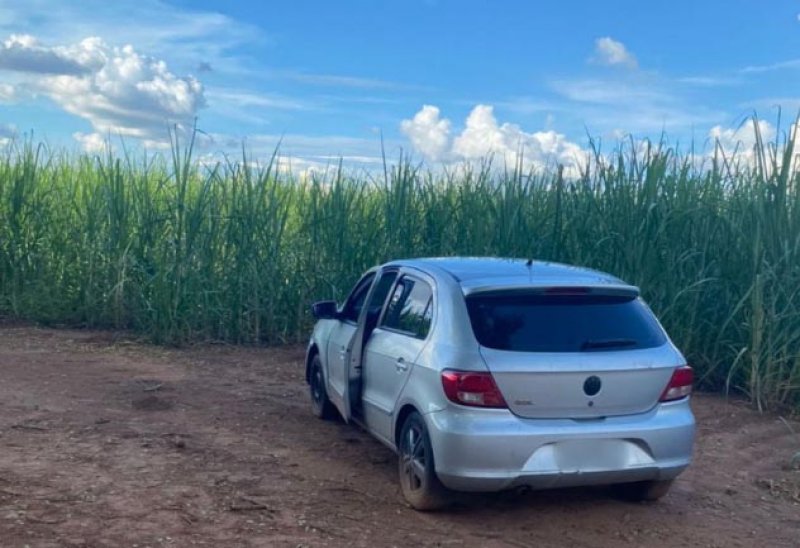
x=340, y=340
x=353, y=351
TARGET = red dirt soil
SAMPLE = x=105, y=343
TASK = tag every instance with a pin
x=108, y=442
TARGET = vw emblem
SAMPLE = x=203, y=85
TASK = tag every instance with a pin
x=592, y=385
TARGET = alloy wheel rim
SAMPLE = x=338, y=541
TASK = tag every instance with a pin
x=414, y=459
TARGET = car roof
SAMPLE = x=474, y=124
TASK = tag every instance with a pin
x=481, y=273
x=465, y=269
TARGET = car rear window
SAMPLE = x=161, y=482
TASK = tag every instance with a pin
x=563, y=323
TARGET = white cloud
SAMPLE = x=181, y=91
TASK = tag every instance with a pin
x=248, y=99
x=7, y=93
x=780, y=65
x=343, y=81
x=483, y=136
x=91, y=142
x=300, y=156
x=741, y=143
x=188, y=37
x=354, y=152
x=117, y=89
x=22, y=52
x=610, y=92
x=304, y=169
x=610, y=52
x=709, y=81
x=743, y=149
x=428, y=132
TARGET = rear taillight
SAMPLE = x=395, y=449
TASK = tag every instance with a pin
x=472, y=388
x=680, y=385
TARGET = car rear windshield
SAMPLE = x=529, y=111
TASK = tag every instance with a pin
x=563, y=323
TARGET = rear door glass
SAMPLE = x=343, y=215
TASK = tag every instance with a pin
x=410, y=308
x=563, y=323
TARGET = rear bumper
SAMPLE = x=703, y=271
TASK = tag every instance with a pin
x=492, y=450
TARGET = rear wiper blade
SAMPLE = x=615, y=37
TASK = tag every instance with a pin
x=607, y=343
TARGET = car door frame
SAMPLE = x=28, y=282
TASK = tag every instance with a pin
x=354, y=348
x=342, y=400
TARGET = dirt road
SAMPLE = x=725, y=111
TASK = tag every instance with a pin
x=107, y=442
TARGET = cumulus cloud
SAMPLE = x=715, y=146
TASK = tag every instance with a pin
x=610, y=52
x=741, y=143
x=186, y=35
x=428, y=132
x=117, y=89
x=91, y=142
x=22, y=52
x=483, y=136
x=743, y=149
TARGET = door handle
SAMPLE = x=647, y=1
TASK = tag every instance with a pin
x=342, y=352
x=401, y=364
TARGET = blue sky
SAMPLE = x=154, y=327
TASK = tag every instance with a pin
x=445, y=80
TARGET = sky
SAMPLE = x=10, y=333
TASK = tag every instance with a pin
x=442, y=80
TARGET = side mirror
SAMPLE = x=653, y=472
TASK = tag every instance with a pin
x=324, y=310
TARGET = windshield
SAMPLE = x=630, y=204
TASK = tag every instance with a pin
x=563, y=323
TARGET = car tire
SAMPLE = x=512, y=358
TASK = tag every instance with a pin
x=418, y=481
x=644, y=491
x=321, y=406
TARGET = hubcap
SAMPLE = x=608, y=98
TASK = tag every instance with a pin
x=414, y=459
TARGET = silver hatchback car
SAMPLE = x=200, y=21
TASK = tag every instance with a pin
x=491, y=374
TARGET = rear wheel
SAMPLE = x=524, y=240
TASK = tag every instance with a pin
x=418, y=481
x=321, y=406
x=644, y=490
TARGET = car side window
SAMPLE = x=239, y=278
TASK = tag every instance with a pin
x=410, y=308
x=355, y=302
x=381, y=292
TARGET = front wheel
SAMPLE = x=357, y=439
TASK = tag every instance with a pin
x=418, y=481
x=321, y=406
